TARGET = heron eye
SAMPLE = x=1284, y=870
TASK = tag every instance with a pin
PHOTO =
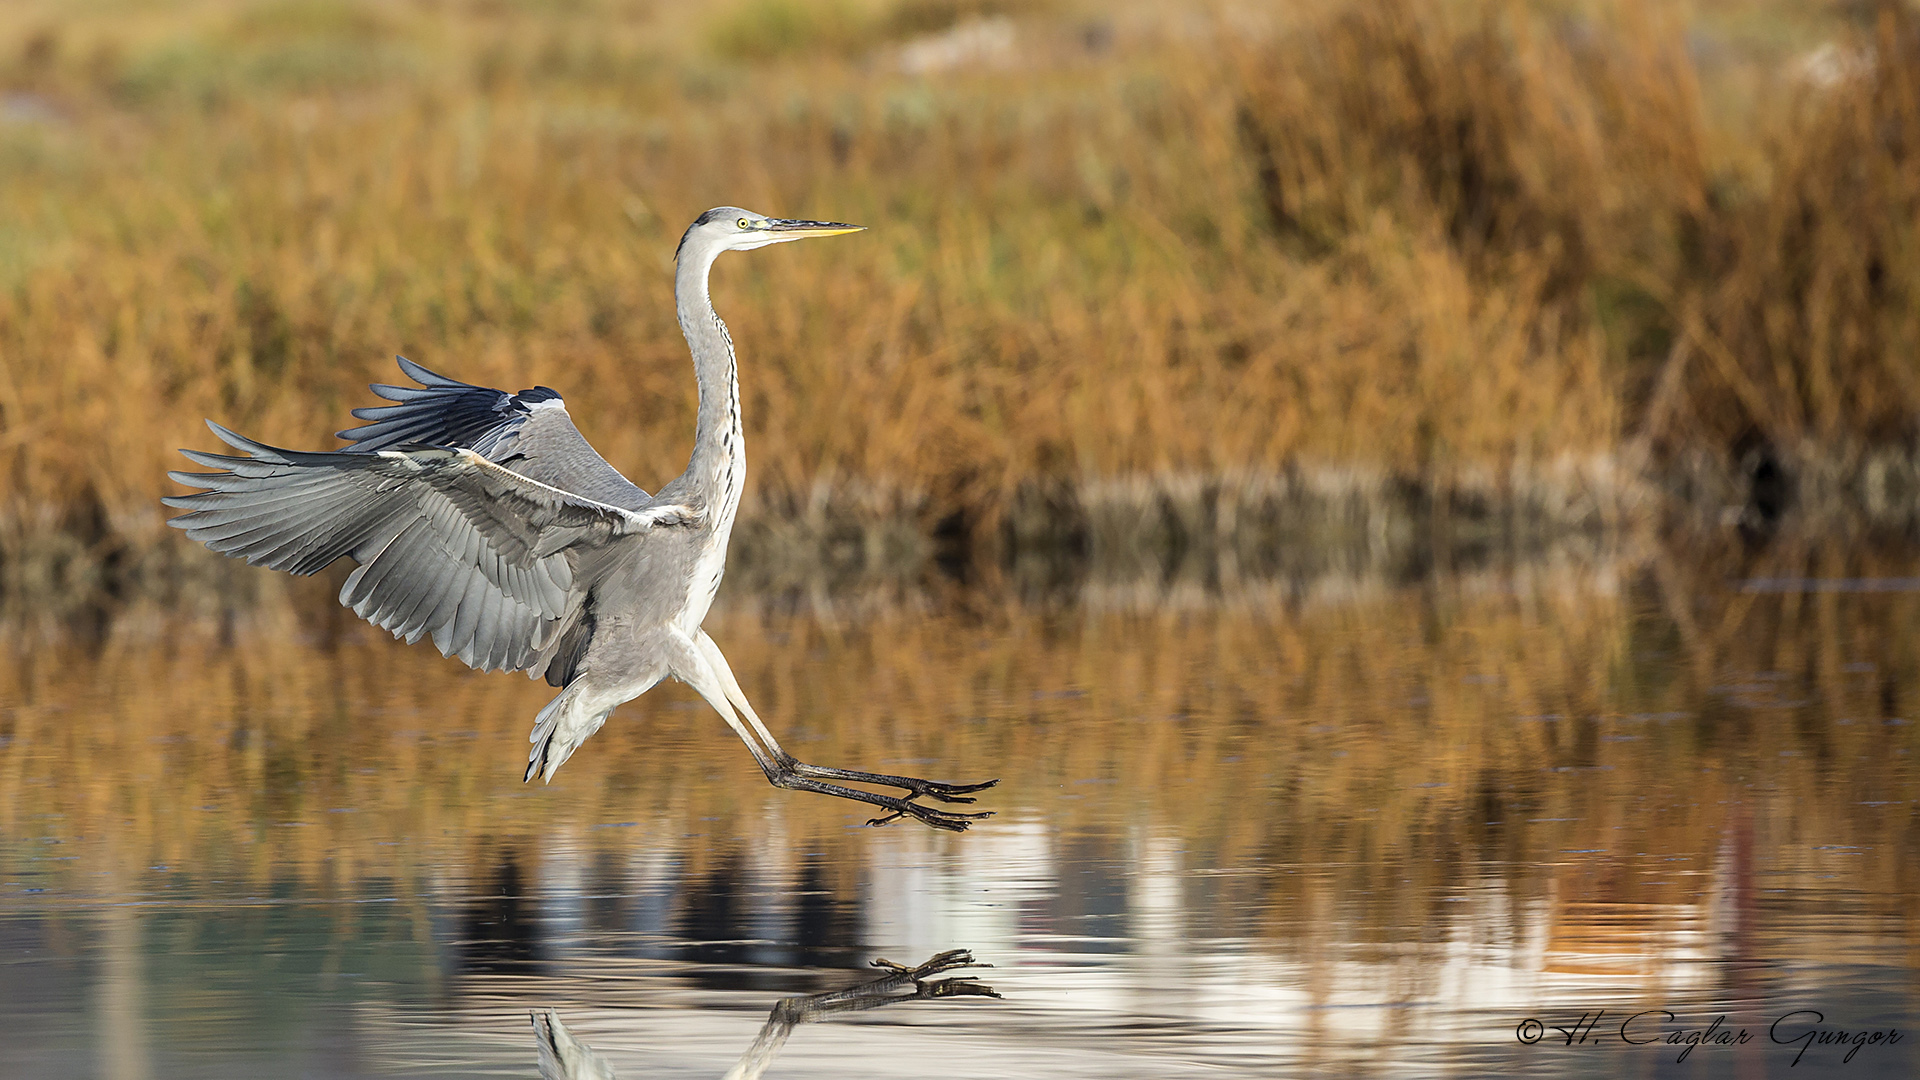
x=745, y=224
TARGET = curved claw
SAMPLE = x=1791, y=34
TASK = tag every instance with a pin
x=951, y=793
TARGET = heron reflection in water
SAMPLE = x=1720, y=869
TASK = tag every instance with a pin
x=485, y=520
x=563, y=1057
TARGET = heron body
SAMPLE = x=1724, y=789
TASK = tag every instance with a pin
x=485, y=520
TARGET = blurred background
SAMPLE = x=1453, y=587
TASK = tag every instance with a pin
x=1139, y=275
x=1417, y=501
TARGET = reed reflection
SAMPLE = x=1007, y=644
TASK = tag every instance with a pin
x=1673, y=771
x=564, y=1057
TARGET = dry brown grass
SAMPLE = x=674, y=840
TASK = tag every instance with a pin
x=1461, y=246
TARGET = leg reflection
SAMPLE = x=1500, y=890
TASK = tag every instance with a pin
x=563, y=1057
x=904, y=984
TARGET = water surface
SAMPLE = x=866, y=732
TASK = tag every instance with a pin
x=1346, y=825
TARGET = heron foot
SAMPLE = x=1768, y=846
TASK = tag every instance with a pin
x=939, y=819
x=917, y=787
x=785, y=775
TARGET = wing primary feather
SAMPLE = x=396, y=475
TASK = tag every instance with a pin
x=392, y=587
x=438, y=619
x=468, y=617
x=431, y=378
x=425, y=593
x=483, y=627
x=365, y=599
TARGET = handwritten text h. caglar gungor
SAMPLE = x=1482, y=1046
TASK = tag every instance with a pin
x=1801, y=1027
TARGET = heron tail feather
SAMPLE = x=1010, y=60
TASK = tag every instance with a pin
x=562, y=725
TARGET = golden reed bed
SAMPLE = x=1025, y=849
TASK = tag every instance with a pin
x=1527, y=254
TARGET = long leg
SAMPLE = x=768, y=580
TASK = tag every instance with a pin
x=693, y=668
x=945, y=792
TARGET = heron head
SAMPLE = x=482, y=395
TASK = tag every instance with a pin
x=729, y=228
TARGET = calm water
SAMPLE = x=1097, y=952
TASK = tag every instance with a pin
x=1368, y=824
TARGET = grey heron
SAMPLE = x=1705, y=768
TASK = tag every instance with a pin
x=485, y=520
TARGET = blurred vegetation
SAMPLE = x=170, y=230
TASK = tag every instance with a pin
x=1555, y=255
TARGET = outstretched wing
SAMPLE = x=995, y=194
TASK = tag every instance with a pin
x=528, y=432
x=449, y=543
